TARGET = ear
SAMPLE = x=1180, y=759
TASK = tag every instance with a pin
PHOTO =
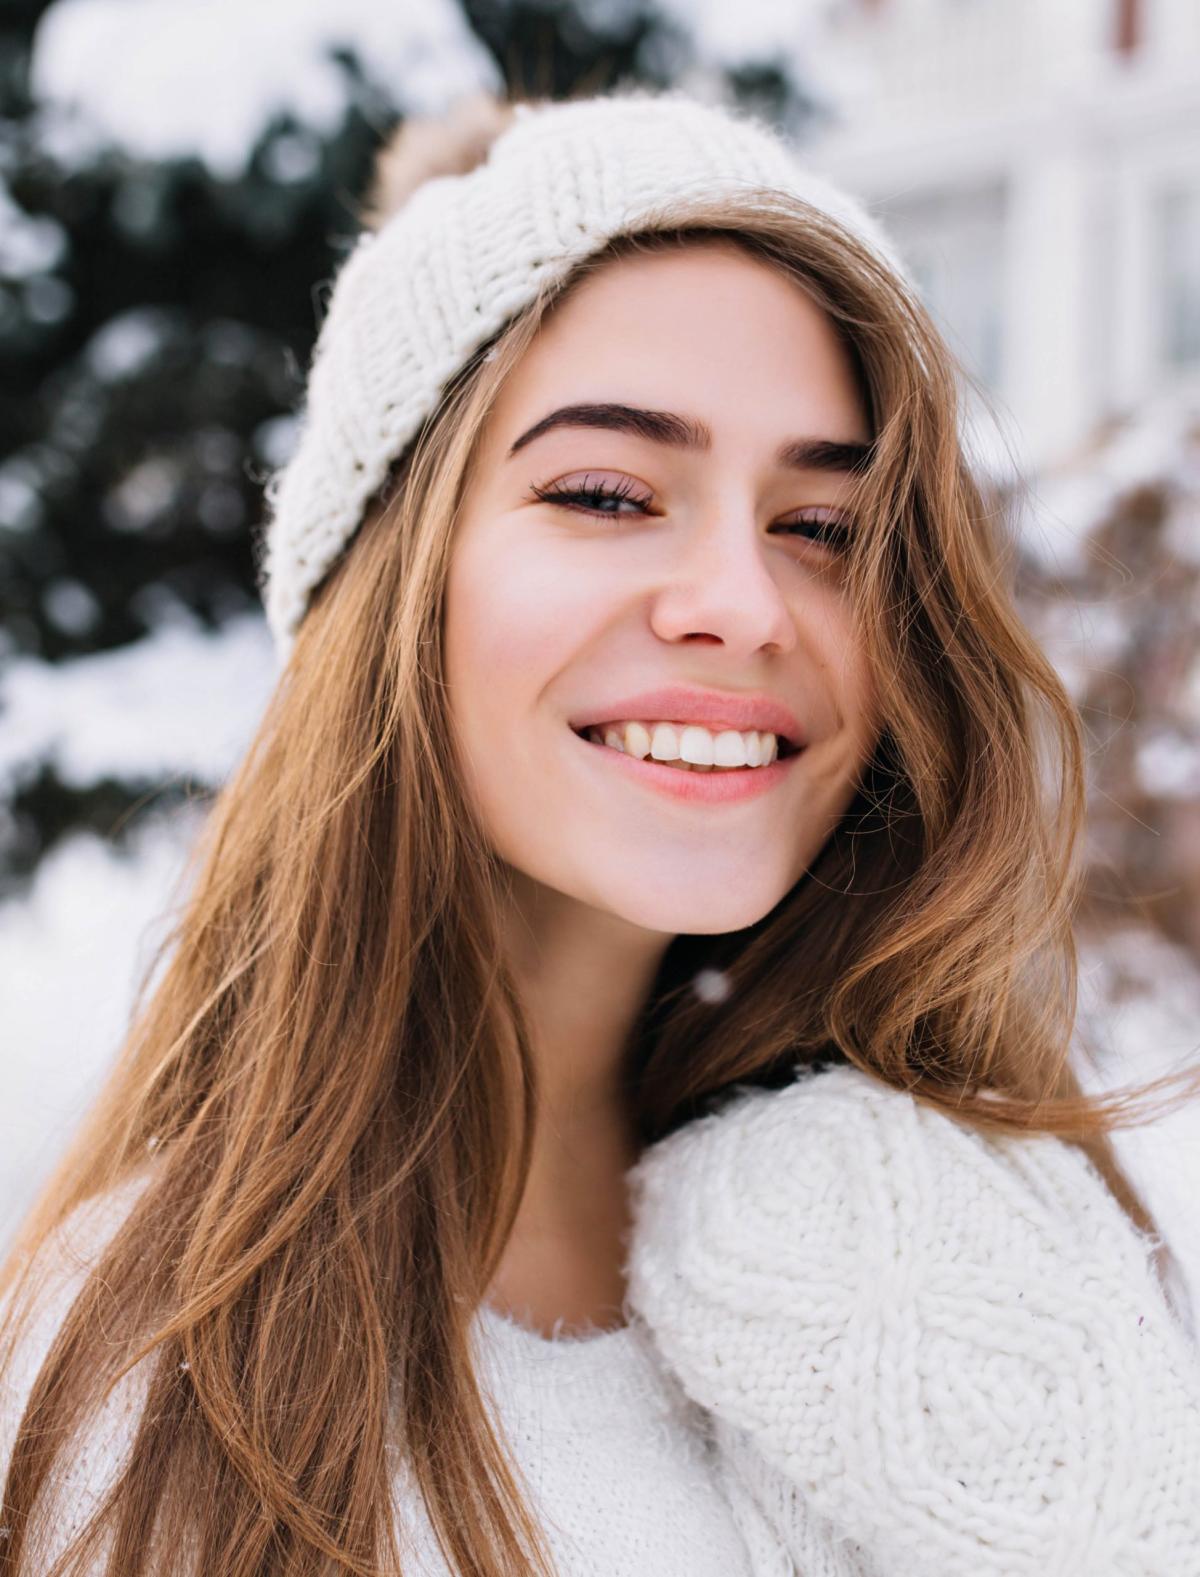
x=422, y=148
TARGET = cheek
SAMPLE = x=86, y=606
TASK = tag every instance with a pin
x=844, y=709
x=504, y=625
x=510, y=627
x=835, y=644
x=861, y=699
x=509, y=633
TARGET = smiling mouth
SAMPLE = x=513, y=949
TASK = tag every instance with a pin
x=593, y=735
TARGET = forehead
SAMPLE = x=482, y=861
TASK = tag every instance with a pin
x=704, y=328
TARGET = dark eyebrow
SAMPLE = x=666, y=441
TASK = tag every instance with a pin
x=685, y=432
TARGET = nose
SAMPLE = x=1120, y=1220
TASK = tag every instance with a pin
x=722, y=587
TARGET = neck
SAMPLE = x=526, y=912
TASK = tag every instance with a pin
x=583, y=977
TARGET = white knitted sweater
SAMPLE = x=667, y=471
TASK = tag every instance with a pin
x=864, y=1341
x=926, y=1352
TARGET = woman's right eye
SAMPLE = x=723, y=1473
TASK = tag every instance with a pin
x=593, y=499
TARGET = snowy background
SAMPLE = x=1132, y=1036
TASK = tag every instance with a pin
x=174, y=193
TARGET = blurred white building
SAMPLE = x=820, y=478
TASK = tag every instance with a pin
x=1038, y=162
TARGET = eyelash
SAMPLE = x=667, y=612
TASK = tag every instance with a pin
x=831, y=533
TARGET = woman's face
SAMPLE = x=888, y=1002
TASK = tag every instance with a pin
x=711, y=569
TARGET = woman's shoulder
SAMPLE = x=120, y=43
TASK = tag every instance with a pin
x=936, y=1333
x=70, y=1250
x=869, y=1170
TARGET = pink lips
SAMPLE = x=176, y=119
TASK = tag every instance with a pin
x=715, y=709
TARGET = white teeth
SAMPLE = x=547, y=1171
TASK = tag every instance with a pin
x=699, y=747
x=664, y=743
x=732, y=750
x=637, y=740
x=691, y=746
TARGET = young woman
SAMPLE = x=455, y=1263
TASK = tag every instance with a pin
x=606, y=1108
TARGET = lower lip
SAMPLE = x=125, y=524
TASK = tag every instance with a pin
x=708, y=788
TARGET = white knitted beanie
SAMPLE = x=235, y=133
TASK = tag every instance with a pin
x=414, y=298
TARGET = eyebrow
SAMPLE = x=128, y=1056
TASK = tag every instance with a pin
x=686, y=432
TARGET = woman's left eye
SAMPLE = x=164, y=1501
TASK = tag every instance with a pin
x=834, y=534
x=594, y=500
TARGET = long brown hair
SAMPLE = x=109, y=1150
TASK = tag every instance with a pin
x=331, y=1091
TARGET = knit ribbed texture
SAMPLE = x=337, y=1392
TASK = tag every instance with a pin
x=925, y=1350
x=412, y=301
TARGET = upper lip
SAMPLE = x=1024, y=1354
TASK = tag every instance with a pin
x=714, y=709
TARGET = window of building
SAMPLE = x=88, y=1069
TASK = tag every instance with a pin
x=1179, y=233
x=953, y=241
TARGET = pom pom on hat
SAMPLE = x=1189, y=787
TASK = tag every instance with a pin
x=423, y=148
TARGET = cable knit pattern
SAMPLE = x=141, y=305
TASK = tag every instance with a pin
x=926, y=1350
x=412, y=301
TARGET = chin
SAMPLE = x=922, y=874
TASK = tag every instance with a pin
x=701, y=914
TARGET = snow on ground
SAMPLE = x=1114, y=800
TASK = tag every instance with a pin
x=183, y=701
x=185, y=83
x=70, y=957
